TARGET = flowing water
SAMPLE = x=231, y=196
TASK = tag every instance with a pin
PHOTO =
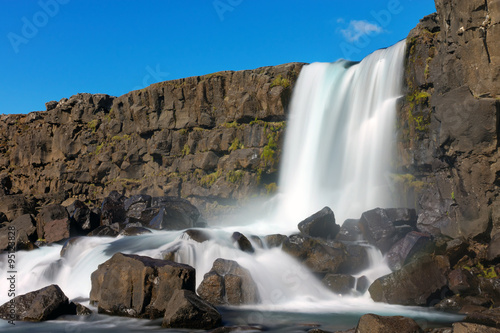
x=337, y=153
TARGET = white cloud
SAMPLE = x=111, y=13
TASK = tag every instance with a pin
x=358, y=29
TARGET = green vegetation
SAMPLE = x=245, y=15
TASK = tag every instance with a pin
x=186, y=150
x=92, y=125
x=183, y=131
x=480, y=270
x=208, y=180
x=271, y=188
x=233, y=124
x=236, y=144
x=280, y=81
x=408, y=181
x=453, y=195
x=270, y=149
x=125, y=137
x=235, y=176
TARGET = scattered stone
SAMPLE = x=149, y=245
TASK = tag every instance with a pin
x=53, y=223
x=25, y=232
x=186, y=310
x=40, y=305
x=490, y=317
x=243, y=242
x=412, y=244
x=413, y=284
x=463, y=282
x=138, y=286
x=371, y=323
x=384, y=227
x=321, y=224
x=227, y=283
x=349, y=231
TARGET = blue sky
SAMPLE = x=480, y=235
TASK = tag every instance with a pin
x=52, y=49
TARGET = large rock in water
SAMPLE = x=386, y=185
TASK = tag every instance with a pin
x=174, y=214
x=318, y=255
x=40, y=305
x=138, y=286
x=112, y=209
x=384, y=227
x=186, y=310
x=84, y=220
x=227, y=283
x=413, y=284
x=53, y=223
x=371, y=323
x=401, y=253
x=321, y=224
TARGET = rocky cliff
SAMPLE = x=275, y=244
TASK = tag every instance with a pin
x=449, y=120
x=213, y=139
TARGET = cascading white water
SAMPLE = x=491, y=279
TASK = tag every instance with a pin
x=336, y=154
x=339, y=137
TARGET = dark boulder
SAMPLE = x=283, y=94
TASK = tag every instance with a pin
x=339, y=283
x=362, y=284
x=111, y=230
x=456, y=250
x=318, y=255
x=384, y=227
x=414, y=284
x=112, y=209
x=40, y=305
x=16, y=205
x=68, y=245
x=23, y=229
x=186, y=310
x=137, y=208
x=243, y=242
x=134, y=231
x=274, y=240
x=227, y=283
x=321, y=224
x=197, y=235
x=53, y=223
x=356, y=259
x=349, y=231
x=463, y=282
x=371, y=323
x=494, y=248
x=414, y=243
x=83, y=219
x=174, y=214
x=138, y=286
x=3, y=218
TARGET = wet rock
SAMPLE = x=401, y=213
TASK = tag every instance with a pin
x=82, y=310
x=275, y=240
x=138, y=286
x=321, y=224
x=384, y=227
x=186, y=310
x=349, y=231
x=24, y=230
x=229, y=329
x=456, y=249
x=112, y=209
x=490, y=317
x=463, y=282
x=317, y=255
x=174, y=214
x=134, y=231
x=111, y=230
x=356, y=259
x=68, y=245
x=84, y=220
x=371, y=323
x=40, y=305
x=197, y=235
x=412, y=244
x=473, y=328
x=227, y=283
x=243, y=242
x=413, y=284
x=362, y=284
x=53, y=223
x=339, y=283
x=137, y=208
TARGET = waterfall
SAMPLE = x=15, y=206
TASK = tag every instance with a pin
x=337, y=152
x=340, y=135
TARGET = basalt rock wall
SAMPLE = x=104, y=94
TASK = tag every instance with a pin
x=214, y=139
x=449, y=120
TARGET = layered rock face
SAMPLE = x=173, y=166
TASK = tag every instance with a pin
x=213, y=139
x=449, y=120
